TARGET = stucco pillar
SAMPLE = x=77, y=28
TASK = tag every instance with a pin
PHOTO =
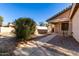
x=36, y=32
x=70, y=28
x=49, y=28
x=55, y=28
x=59, y=27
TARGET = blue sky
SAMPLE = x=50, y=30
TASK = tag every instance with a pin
x=39, y=12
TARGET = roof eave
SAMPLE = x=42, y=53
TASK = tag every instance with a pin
x=59, y=13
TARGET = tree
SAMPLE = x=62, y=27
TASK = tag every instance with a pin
x=24, y=27
x=41, y=24
x=1, y=20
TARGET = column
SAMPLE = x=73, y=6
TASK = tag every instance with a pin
x=49, y=28
x=70, y=28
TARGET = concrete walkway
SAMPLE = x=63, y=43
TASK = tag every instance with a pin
x=34, y=48
x=65, y=45
x=7, y=45
x=49, y=45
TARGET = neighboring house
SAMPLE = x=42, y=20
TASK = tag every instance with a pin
x=11, y=25
x=60, y=22
x=7, y=28
x=74, y=16
x=41, y=30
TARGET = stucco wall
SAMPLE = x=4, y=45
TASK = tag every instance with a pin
x=57, y=28
x=6, y=29
x=63, y=16
x=75, y=25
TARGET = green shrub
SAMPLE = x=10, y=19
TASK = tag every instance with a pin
x=24, y=27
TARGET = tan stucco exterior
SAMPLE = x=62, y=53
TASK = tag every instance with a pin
x=72, y=16
x=50, y=27
x=75, y=25
x=57, y=21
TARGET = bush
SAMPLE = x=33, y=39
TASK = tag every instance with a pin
x=24, y=27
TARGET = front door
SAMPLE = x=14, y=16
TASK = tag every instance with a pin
x=65, y=27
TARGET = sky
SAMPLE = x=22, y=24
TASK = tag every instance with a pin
x=39, y=12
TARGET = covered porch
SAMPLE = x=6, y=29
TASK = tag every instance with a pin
x=61, y=26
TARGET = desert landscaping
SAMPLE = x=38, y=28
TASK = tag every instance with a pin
x=57, y=37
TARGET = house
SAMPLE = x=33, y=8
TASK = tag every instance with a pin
x=41, y=30
x=11, y=25
x=5, y=29
x=74, y=17
x=60, y=23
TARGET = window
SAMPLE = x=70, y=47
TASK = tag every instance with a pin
x=64, y=26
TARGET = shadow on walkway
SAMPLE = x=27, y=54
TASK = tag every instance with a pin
x=65, y=42
x=7, y=45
